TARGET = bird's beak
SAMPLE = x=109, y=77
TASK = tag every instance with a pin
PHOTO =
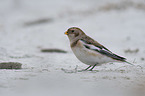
x=66, y=33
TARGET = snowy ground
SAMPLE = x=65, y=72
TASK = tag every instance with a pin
x=117, y=24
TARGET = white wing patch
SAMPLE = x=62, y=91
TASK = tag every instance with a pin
x=92, y=47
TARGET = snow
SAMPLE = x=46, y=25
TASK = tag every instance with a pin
x=118, y=29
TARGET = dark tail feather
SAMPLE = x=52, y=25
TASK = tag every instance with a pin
x=112, y=55
x=129, y=63
x=134, y=65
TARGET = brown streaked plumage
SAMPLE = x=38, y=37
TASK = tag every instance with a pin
x=74, y=43
x=88, y=50
x=89, y=40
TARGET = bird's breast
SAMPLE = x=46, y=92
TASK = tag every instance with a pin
x=89, y=57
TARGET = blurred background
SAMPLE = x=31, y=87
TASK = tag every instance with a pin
x=29, y=26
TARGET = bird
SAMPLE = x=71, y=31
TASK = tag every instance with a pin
x=89, y=51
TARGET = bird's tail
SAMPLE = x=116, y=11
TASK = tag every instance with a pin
x=129, y=63
x=133, y=64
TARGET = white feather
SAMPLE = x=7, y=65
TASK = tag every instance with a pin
x=88, y=56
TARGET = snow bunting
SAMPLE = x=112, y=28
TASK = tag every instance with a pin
x=89, y=51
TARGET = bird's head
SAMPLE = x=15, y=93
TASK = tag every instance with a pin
x=74, y=33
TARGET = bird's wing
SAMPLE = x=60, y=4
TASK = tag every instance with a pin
x=89, y=40
x=101, y=49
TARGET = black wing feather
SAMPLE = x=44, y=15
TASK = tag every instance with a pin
x=104, y=51
x=112, y=55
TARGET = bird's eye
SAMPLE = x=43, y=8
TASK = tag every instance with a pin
x=72, y=31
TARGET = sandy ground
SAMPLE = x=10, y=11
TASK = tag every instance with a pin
x=27, y=26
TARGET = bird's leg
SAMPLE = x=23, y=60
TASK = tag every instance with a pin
x=84, y=69
x=92, y=67
x=87, y=68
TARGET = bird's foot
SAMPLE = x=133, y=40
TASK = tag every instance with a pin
x=91, y=70
x=82, y=70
